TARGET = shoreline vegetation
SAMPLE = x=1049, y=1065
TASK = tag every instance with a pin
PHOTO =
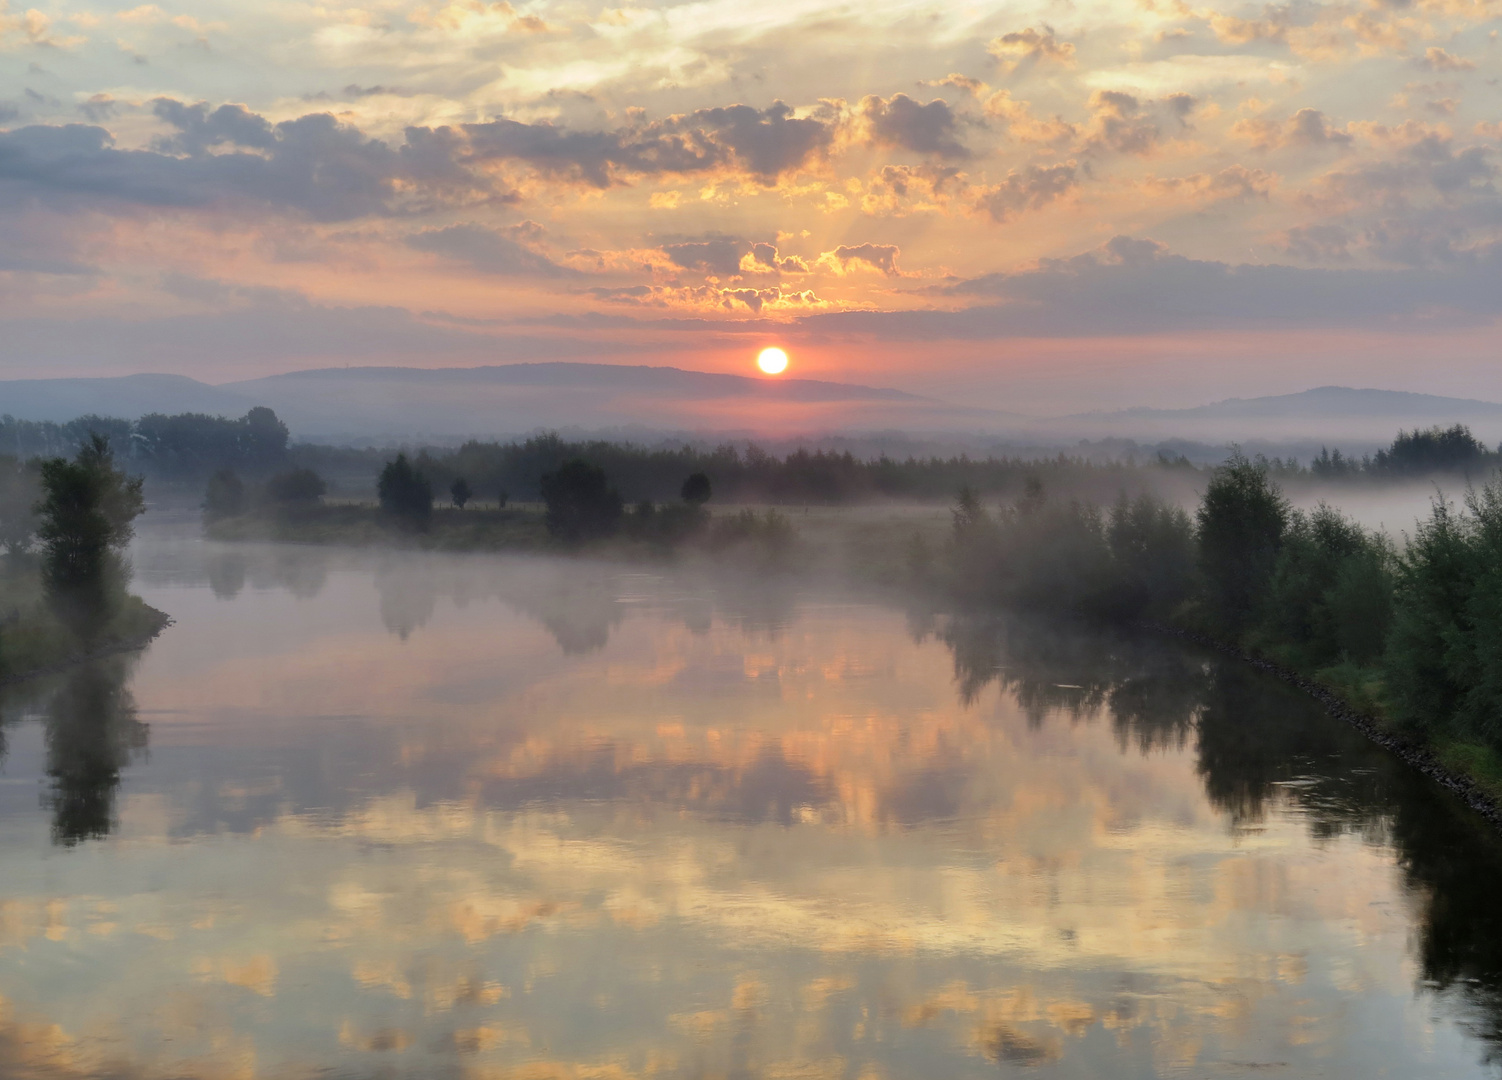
x=1404, y=642
x=64, y=525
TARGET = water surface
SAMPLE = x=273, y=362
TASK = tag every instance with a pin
x=379, y=814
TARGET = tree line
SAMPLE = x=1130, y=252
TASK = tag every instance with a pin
x=1412, y=632
x=181, y=446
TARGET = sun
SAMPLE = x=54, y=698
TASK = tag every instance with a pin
x=773, y=361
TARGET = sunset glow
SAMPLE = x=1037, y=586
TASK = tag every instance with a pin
x=773, y=361
x=1054, y=208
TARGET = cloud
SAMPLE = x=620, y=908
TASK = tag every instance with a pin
x=1305, y=128
x=901, y=122
x=1125, y=124
x=973, y=87
x=1031, y=47
x=896, y=190
x=1033, y=188
x=1233, y=183
x=1022, y=126
x=312, y=165
x=1137, y=286
x=1437, y=59
x=1318, y=243
x=764, y=143
x=491, y=251
x=879, y=257
x=732, y=257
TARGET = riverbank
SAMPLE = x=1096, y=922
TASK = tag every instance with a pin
x=515, y=528
x=1471, y=771
x=34, y=643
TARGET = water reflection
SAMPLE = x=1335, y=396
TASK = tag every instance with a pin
x=92, y=732
x=1262, y=747
x=458, y=817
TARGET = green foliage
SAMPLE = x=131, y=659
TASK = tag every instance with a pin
x=1241, y=522
x=1152, y=551
x=1330, y=594
x=1435, y=450
x=581, y=503
x=87, y=514
x=667, y=525
x=1042, y=555
x=460, y=493
x=296, y=487
x=405, y=493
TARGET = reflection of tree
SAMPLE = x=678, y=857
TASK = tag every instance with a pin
x=92, y=732
x=1261, y=744
x=1151, y=687
x=226, y=573
x=409, y=595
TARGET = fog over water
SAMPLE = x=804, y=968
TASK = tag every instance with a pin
x=400, y=814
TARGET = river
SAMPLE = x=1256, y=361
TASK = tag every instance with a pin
x=373, y=814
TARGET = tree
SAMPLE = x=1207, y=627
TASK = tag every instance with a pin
x=460, y=493
x=501, y=497
x=405, y=493
x=296, y=487
x=581, y=503
x=696, y=489
x=87, y=514
x=225, y=496
x=1241, y=524
x=18, y=496
x=262, y=439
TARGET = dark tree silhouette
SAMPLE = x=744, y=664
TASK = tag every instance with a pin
x=225, y=495
x=459, y=491
x=581, y=503
x=1241, y=524
x=696, y=489
x=86, y=512
x=501, y=499
x=405, y=493
x=297, y=486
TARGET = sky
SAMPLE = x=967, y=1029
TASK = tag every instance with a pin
x=1031, y=206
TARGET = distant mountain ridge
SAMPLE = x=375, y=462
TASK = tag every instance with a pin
x=392, y=404
x=1323, y=401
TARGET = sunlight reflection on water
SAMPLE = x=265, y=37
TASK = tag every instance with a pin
x=416, y=815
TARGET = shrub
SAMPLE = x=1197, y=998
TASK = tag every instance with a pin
x=581, y=504
x=296, y=487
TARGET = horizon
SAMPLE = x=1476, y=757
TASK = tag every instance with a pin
x=1024, y=209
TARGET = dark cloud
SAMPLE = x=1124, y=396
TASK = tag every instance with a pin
x=882, y=257
x=903, y=123
x=726, y=257
x=765, y=143
x=491, y=251
x=98, y=108
x=719, y=255
x=1136, y=286
x=1034, y=187
x=312, y=165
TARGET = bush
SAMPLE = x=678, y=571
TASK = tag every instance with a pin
x=460, y=493
x=581, y=503
x=296, y=487
x=405, y=493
